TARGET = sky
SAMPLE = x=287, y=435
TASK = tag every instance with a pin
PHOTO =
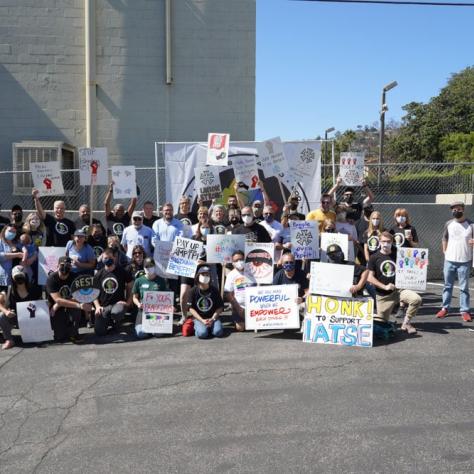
x=322, y=65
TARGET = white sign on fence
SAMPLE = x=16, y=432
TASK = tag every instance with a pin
x=304, y=239
x=47, y=178
x=218, y=149
x=331, y=279
x=352, y=168
x=245, y=170
x=125, y=183
x=34, y=321
x=48, y=261
x=157, y=314
x=208, y=183
x=328, y=238
x=412, y=268
x=161, y=255
x=93, y=166
x=219, y=248
x=184, y=257
x=259, y=261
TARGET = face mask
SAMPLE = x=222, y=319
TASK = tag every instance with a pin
x=401, y=219
x=386, y=247
x=18, y=217
x=108, y=262
x=204, y=279
x=293, y=206
x=269, y=218
x=239, y=264
x=64, y=269
x=288, y=266
x=456, y=214
x=19, y=280
x=34, y=223
x=341, y=217
x=375, y=222
x=149, y=272
x=336, y=257
x=204, y=231
x=247, y=220
x=348, y=199
x=234, y=220
x=9, y=235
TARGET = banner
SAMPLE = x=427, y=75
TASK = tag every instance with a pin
x=272, y=158
x=48, y=261
x=259, y=261
x=219, y=248
x=218, y=149
x=93, y=166
x=47, y=178
x=331, y=279
x=245, y=170
x=328, y=238
x=157, y=313
x=208, y=184
x=161, y=256
x=351, y=168
x=184, y=257
x=271, y=307
x=304, y=239
x=125, y=183
x=34, y=321
x=412, y=268
x=345, y=322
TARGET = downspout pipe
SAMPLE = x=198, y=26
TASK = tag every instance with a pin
x=90, y=50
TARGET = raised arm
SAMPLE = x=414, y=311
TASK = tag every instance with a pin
x=370, y=195
x=131, y=206
x=38, y=206
x=336, y=186
x=108, y=199
x=266, y=199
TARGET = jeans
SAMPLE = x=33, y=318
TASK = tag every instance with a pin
x=203, y=332
x=6, y=325
x=112, y=313
x=462, y=271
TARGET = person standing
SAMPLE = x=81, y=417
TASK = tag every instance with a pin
x=117, y=218
x=322, y=213
x=137, y=234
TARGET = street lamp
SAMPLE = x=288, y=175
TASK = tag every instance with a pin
x=383, y=109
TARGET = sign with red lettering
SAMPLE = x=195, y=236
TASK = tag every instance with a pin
x=47, y=178
x=93, y=166
x=157, y=317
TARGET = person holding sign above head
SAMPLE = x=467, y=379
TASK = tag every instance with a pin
x=117, y=218
x=253, y=232
x=324, y=212
x=404, y=234
x=382, y=270
x=137, y=234
x=354, y=209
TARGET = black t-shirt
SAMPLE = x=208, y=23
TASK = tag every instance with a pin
x=149, y=222
x=55, y=284
x=384, y=268
x=299, y=278
x=354, y=210
x=112, y=285
x=187, y=219
x=135, y=270
x=58, y=231
x=98, y=245
x=358, y=270
x=399, y=236
x=372, y=241
x=361, y=225
x=115, y=225
x=254, y=233
x=80, y=224
x=34, y=293
x=205, y=303
x=219, y=228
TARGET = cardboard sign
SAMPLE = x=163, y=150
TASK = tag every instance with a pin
x=305, y=163
x=208, y=184
x=271, y=157
x=161, y=255
x=331, y=279
x=219, y=248
x=34, y=321
x=83, y=290
x=184, y=257
x=48, y=261
x=125, y=185
x=93, y=166
x=259, y=261
x=47, y=178
x=245, y=170
x=304, y=239
x=271, y=307
x=345, y=322
x=328, y=238
x=158, y=310
x=218, y=149
x=351, y=168
x=412, y=268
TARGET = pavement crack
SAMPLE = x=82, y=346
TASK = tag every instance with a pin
x=11, y=358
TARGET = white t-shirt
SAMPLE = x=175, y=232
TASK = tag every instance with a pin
x=457, y=235
x=237, y=282
x=274, y=228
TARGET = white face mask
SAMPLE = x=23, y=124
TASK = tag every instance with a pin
x=247, y=220
x=204, y=279
x=239, y=264
x=401, y=219
x=150, y=272
x=375, y=222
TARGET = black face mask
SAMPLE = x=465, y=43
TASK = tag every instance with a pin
x=336, y=257
x=20, y=280
x=458, y=214
x=234, y=220
x=64, y=269
x=293, y=206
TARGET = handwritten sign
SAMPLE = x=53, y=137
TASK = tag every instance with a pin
x=161, y=255
x=47, y=178
x=245, y=170
x=271, y=307
x=218, y=149
x=271, y=157
x=412, y=269
x=48, y=261
x=157, y=312
x=93, y=166
x=34, y=321
x=328, y=238
x=331, y=279
x=125, y=185
x=259, y=261
x=351, y=168
x=345, y=322
x=306, y=159
x=304, y=239
x=208, y=184
x=219, y=248
x=184, y=257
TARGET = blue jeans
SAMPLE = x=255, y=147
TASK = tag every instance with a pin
x=203, y=332
x=462, y=271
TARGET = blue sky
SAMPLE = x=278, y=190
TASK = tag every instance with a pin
x=321, y=65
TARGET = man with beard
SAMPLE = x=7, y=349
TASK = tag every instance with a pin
x=97, y=239
x=354, y=208
x=293, y=203
x=117, y=219
x=17, y=219
x=253, y=232
x=84, y=219
x=168, y=227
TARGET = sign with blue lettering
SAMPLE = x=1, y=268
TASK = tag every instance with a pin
x=184, y=257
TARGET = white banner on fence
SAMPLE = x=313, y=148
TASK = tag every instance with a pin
x=271, y=307
x=125, y=183
x=351, y=168
x=272, y=157
x=93, y=166
x=47, y=178
x=157, y=314
x=346, y=322
x=328, y=238
x=219, y=248
x=245, y=170
x=412, y=268
x=34, y=321
x=218, y=149
x=259, y=261
x=208, y=184
x=48, y=261
x=331, y=279
x=304, y=239
x=184, y=257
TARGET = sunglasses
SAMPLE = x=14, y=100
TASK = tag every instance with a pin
x=325, y=202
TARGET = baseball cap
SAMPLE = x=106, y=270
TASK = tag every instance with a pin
x=137, y=214
x=79, y=233
x=203, y=269
x=333, y=248
x=457, y=203
x=64, y=260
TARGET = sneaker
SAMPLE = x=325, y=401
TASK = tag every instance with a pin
x=442, y=313
x=408, y=327
x=466, y=317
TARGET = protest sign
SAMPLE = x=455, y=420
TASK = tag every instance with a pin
x=219, y=248
x=331, y=279
x=184, y=257
x=346, y=322
x=305, y=163
x=208, y=184
x=271, y=157
x=328, y=238
x=93, y=166
x=161, y=255
x=48, y=261
x=304, y=239
x=245, y=170
x=259, y=261
x=157, y=316
x=412, y=268
x=271, y=307
x=217, y=149
x=83, y=290
x=47, y=178
x=125, y=185
x=34, y=321
x=351, y=168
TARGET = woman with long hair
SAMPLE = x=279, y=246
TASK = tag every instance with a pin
x=372, y=235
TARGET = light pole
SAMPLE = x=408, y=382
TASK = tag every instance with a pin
x=383, y=109
x=329, y=130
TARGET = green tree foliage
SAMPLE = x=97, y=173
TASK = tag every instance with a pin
x=458, y=147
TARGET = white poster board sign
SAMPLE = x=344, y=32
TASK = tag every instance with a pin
x=245, y=170
x=161, y=255
x=47, y=178
x=271, y=157
x=351, y=168
x=208, y=183
x=184, y=257
x=259, y=261
x=331, y=279
x=218, y=149
x=412, y=269
x=328, y=238
x=125, y=183
x=93, y=166
x=345, y=322
x=219, y=248
x=271, y=307
x=304, y=239
x=48, y=261
x=305, y=163
x=157, y=315
x=34, y=321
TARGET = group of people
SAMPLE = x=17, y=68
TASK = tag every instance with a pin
x=118, y=255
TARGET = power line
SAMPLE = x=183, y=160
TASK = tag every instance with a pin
x=395, y=2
